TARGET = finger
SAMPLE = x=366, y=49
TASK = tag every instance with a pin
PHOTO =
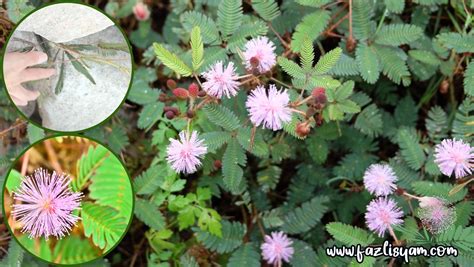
x=34, y=74
x=19, y=102
x=22, y=60
x=23, y=94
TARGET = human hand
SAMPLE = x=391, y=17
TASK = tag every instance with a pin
x=16, y=71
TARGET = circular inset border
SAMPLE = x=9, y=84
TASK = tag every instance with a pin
x=105, y=120
x=16, y=162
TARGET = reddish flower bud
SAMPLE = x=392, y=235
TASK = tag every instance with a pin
x=190, y=114
x=202, y=93
x=444, y=86
x=319, y=98
x=181, y=93
x=172, y=109
x=318, y=91
x=171, y=84
x=141, y=11
x=254, y=62
x=217, y=164
x=303, y=129
x=170, y=115
x=350, y=44
x=193, y=90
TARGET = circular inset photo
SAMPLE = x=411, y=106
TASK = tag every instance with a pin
x=67, y=67
x=68, y=200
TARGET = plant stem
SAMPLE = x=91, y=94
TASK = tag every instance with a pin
x=381, y=21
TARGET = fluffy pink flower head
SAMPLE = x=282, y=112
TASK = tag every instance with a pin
x=381, y=214
x=221, y=81
x=47, y=204
x=379, y=179
x=276, y=248
x=260, y=54
x=269, y=110
x=435, y=214
x=185, y=154
x=141, y=11
x=454, y=156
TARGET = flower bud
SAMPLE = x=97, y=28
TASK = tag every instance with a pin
x=190, y=114
x=170, y=115
x=181, y=93
x=141, y=11
x=202, y=93
x=193, y=90
x=217, y=164
x=444, y=86
x=303, y=129
x=350, y=44
x=171, y=84
x=175, y=110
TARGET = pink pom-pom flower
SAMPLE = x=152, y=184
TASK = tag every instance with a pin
x=269, y=110
x=221, y=81
x=46, y=205
x=141, y=11
x=260, y=54
x=185, y=154
x=379, y=179
x=435, y=214
x=276, y=248
x=454, y=156
x=381, y=214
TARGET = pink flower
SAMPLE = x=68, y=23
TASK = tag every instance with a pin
x=435, y=214
x=185, y=154
x=221, y=81
x=381, y=214
x=454, y=156
x=47, y=204
x=271, y=110
x=141, y=11
x=276, y=248
x=379, y=179
x=260, y=54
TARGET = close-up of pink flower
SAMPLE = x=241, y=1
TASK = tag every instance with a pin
x=436, y=214
x=221, y=81
x=185, y=154
x=454, y=156
x=277, y=247
x=260, y=54
x=381, y=214
x=141, y=11
x=269, y=109
x=379, y=179
x=45, y=204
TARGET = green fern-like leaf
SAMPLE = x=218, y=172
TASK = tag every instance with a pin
x=437, y=123
x=434, y=189
x=291, y=68
x=425, y=56
x=267, y=9
x=210, y=34
x=149, y=213
x=14, y=256
x=464, y=212
x=463, y=124
x=313, y=3
x=460, y=237
x=171, y=60
x=461, y=43
x=305, y=217
x=149, y=181
x=392, y=60
x=249, y=29
x=398, y=34
x=197, y=48
x=307, y=54
x=234, y=157
x=368, y=62
x=304, y=255
x=117, y=139
x=346, y=66
x=252, y=142
x=410, y=148
x=395, y=6
x=222, y=116
x=229, y=17
x=232, y=235
x=247, y=255
x=469, y=79
x=310, y=27
x=88, y=165
x=215, y=140
x=111, y=186
x=103, y=224
x=369, y=121
x=74, y=250
x=361, y=15
x=328, y=61
x=349, y=235
x=34, y=133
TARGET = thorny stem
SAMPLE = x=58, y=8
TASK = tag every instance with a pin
x=298, y=111
x=411, y=196
x=299, y=103
x=24, y=164
x=283, y=42
x=350, y=20
x=197, y=79
x=392, y=233
x=280, y=82
x=11, y=128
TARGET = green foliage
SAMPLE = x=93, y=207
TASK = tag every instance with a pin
x=469, y=79
x=34, y=133
x=222, y=116
x=304, y=255
x=368, y=63
x=310, y=27
x=229, y=17
x=361, y=19
x=349, y=235
x=246, y=255
x=462, y=125
x=437, y=123
x=461, y=43
x=171, y=60
x=209, y=32
x=305, y=217
x=395, y=6
x=232, y=234
x=267, y=9
x=436, y=189
x=327, y=61
x=410, y=148
x=232, y=161
x=197, y=48
x=398, y=34
x=149, y=214
x=74, y=250
x=369, y=121
x=14, y=256
x=149, y=181
x=460, y=237
x=88, y=165
x=103, y=224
